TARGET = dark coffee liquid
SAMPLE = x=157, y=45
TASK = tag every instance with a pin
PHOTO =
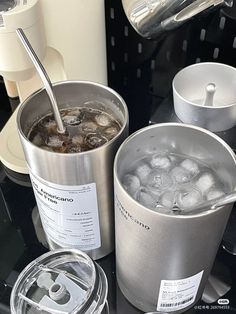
x=86, y=129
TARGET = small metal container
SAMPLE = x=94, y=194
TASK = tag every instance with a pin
x=190, y=96
x=163, y=260
x=74, y=191
x=61, y=281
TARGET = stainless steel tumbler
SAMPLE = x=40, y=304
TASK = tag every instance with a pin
x=163, y=261
x=74, y=191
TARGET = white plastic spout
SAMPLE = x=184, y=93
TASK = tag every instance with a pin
x=57, y=291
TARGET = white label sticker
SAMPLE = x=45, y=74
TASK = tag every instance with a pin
x=69, y=214
x=178, y=294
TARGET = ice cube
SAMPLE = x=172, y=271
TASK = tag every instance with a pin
x=160, y=161
x=146, y=199
x=95, y=140
x=142, y=171
x=162, y=209
x=180, y=175
x=213, y=194
x=77, y=139
x=159, y=181
x=173, y=158
x=103, y=119
x=54, y=141
x=188, y=197
x=75, y=112
x=205, y=182
x=50, y=126
x=74, y=149
x=38, y=140
x=111, y=132
x=88, y=126
x=190, y=166
x=167, y=199
x=71, y=120
x=131, y=184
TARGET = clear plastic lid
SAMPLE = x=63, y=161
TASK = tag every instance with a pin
x=61, y=281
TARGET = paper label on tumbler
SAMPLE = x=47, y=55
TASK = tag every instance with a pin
x=178, y=294
x=69, y=214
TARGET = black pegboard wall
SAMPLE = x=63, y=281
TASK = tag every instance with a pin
x=142, y=70
x=130, y=63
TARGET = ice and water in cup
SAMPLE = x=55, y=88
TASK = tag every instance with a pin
x=86, y=128
x=171, y=183
x=162, y=182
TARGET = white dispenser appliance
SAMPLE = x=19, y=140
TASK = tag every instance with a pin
x=70, y=40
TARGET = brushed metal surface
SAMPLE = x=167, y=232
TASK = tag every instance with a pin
x=156, y=17
x=152, y=246
x=78, y=168
x=189, y=88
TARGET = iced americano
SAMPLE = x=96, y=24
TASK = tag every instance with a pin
x=86, y=129
x=172, y=182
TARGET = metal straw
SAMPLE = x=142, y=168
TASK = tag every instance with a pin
x=44, y=77
x=210, y=205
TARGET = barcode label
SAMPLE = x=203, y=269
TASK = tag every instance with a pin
x=176, y=304
x=178, y=294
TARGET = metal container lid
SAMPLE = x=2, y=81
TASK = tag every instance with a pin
x=61, y=281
